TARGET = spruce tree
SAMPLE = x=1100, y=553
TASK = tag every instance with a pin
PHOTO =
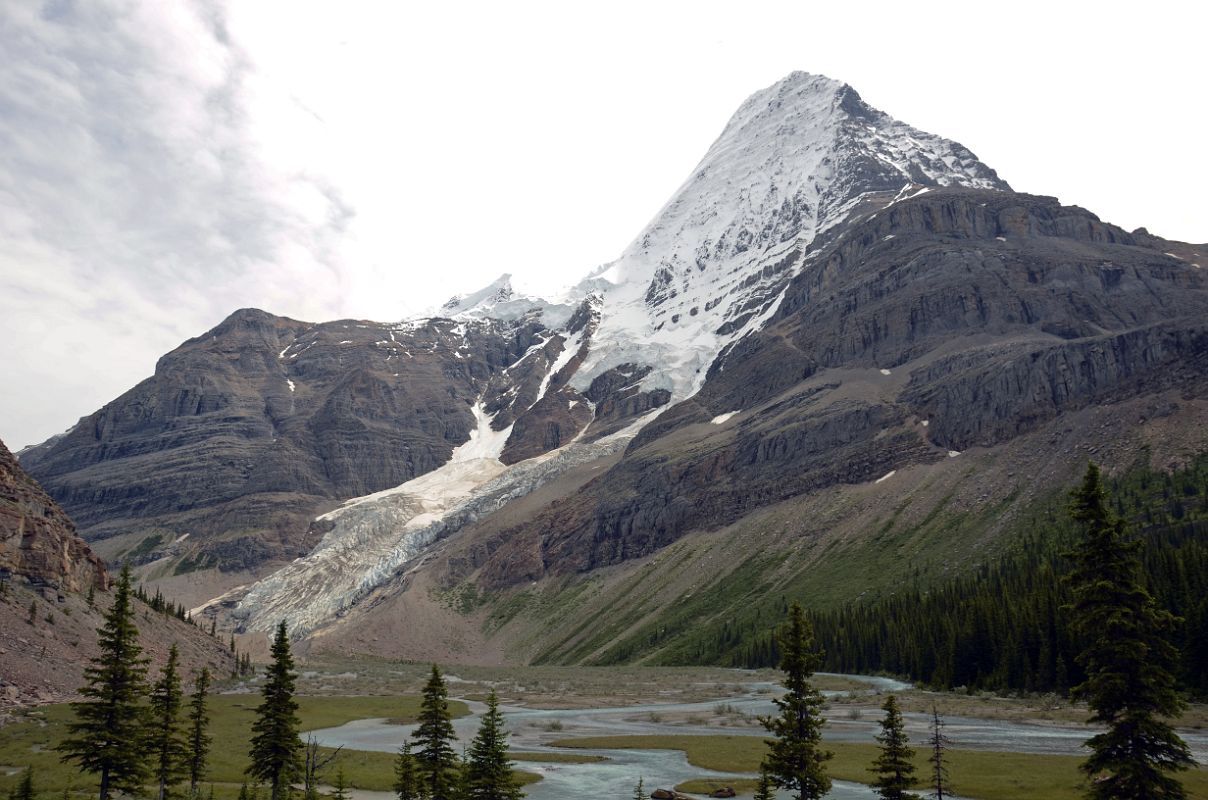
x=276, y=750
x=25, y=789
x=894, y=769
x=199, y=738
x=764, y=789
x=1127, y=657
x=489, y=773
x=340, y=789
x=108, y=734
x=639, y=791
x=937, y=744
x=435, y=759
x=795, y=758
x=165, y=738
x=406, y=779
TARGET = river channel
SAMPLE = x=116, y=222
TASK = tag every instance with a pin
x=533, y=730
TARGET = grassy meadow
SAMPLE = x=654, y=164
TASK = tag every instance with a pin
x=30, y=739
x=973, y=773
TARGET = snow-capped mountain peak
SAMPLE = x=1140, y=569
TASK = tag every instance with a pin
x=637, y=334
x=494, y=293
x=499, y=300
x=792, y=161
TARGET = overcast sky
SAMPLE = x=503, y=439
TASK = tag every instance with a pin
x=164, y=163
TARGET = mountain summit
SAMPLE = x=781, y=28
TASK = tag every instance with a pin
x=833, y=300
x=792, y=162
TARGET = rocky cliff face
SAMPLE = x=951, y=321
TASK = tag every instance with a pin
x=38, y=541
x=832, y=296
x=244, y=432
x=55, y=595
x=955, y=319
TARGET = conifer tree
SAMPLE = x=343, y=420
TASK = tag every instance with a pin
x=165, y=738
x=406, y=779
x=276, y=750
x=764, y=789
x=639, y=791
x=894, y=769
x=108, y=734
x=340, y=789
x=25, y=789
x=199, y=738
x=795, y=758
x=1127, y=657
x=489, y=773
x=937, y=744
x=435, y=759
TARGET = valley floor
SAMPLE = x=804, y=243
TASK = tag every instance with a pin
x=593, y=731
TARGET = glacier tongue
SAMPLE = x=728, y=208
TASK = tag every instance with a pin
x=795, y=160
x=373, y=537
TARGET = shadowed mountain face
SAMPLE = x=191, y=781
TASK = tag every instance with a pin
x=956, y=319
x=831, y=297
x=243, y=432
x=37, y=540
x=54, y=599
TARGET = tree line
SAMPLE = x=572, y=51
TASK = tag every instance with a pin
x=127, y=731
x=1124, y=661
x=1000, y=627
x=796, y=760
x=130, y=732
x=1125, y=655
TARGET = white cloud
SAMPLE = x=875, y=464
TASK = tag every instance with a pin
x=167, y=161
x=135, y=207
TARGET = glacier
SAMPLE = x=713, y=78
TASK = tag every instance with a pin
x=795, y=160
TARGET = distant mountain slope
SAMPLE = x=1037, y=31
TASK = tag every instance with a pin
x=831, y=299
x=47, y=626
x=246, y=431
x=955, y=319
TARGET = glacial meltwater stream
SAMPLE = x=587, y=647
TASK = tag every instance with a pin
x=533, y=730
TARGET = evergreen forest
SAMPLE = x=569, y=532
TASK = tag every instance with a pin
x=1000, y=626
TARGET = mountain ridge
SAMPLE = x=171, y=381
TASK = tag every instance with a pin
x=822, y=303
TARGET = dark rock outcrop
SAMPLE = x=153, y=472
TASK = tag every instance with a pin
x=619, y=399
x=548, y=424
x=37, y=540
x=556, y=416
x=244, y=433
x=984, y=314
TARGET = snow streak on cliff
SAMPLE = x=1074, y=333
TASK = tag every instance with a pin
x=793, y=162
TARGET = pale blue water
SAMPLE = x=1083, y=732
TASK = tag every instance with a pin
x=533, y=729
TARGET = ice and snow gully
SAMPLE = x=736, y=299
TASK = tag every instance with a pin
x=712, y=266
